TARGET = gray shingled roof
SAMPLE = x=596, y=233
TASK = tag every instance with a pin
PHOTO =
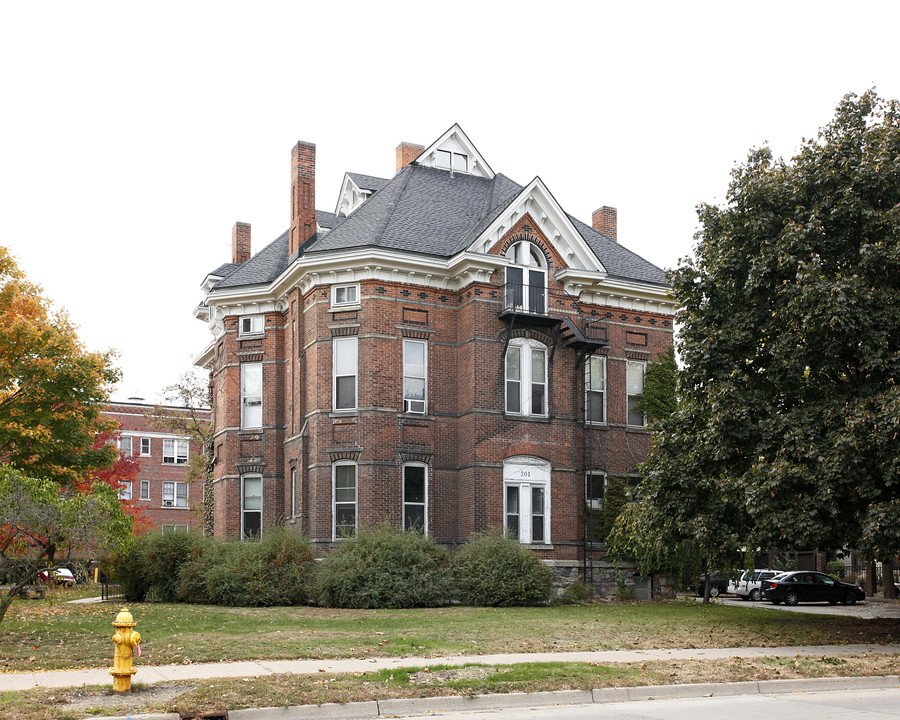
x=368, y=182
x=429, y=211
x=263, y=267
x=327, y=219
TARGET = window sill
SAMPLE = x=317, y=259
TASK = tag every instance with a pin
x=539, y=546
x=252, y=336
x=173, y=507
x=344, y=308
x=344, y=413
x=528, y=418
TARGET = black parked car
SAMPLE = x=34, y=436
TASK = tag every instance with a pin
x=805, y=586
x=718, y=584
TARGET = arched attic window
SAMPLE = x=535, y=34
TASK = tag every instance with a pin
x=526, y=279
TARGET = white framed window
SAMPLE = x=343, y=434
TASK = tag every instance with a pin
x=125, y=490
x=345, y=497
x=415, y=376
x=344, y=371
x=526, y=279
x=595, y=389
x=526, y=378
x=251, y=506
x=175, y=494
x=174, y=529
x=344, y=295
x=251, y=395
x=145, y=489
x=634, y=382
x=175, y=452
x=145, y=447
x=125, y=446
x=293, y=492
x=451, y=160
x=526, y=499
x=251, y=324
x=415, y=497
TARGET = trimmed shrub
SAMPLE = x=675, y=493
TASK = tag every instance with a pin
x=153, y=563
x=494, y=570
x=578, y=593
x=384, y=567
x=277, y=570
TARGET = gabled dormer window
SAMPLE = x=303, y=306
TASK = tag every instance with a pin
x=451, y=160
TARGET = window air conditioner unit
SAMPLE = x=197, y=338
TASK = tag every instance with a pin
x=414, y=406
x=168, y=503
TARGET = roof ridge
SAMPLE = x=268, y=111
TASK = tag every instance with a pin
x=393, y=202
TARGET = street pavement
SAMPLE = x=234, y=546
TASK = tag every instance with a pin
x=870, y=609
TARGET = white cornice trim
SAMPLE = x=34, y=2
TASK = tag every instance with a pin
x=537, y=200
x=204, y=359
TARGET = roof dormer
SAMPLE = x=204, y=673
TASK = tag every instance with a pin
x=454, y=151
x=355, y=190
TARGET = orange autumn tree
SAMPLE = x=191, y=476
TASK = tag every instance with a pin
x=51, y=388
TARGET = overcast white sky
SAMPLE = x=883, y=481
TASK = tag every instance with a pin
x=134, y=135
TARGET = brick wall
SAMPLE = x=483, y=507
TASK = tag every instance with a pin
x=137, y=421
x=465, y=435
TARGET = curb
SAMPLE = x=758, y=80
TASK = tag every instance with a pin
x=416, y=706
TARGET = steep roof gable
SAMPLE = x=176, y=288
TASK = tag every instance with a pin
x=536, y=200
x=454, y=151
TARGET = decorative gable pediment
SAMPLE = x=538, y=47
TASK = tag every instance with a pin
x=351, y=197
x=453, y=151
x=536, y=201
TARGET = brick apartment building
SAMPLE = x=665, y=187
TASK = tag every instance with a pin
x=161, y=490
x=448, y=349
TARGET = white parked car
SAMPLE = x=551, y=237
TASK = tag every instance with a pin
x=748, y=587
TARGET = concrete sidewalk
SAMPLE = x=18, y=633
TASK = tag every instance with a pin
x=153, y=674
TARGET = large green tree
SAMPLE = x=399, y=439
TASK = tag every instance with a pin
x=51, y=388
x=42, y=523
x=788, y=424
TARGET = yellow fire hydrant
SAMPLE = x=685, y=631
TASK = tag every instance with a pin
x=126, y=640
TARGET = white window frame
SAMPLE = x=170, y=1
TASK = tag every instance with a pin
x=344, y=359
x=594, y=366
x=424, y=503
x=335, y=534
x=531, y=295
x=146, y=442
x=245, y=510
x=522, y=475
x=251, y=396
x=293, y=492
x=525, y=347
x=145, y=489
x=172, y=528
x=343, y=296
x=632, y=366
x=175, y=451
x=126, y=445
x=456, y=161
x=251, y=325
x=125, y=490
x=172, y=488
x=415, y=405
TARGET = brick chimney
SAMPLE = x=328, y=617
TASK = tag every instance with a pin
x=406, y=153
x=604, y=220
x=303, y=195
x=240, y=242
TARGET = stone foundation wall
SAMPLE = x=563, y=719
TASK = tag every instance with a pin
x=611, y=581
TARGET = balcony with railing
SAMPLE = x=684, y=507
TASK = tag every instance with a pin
x=525, y=304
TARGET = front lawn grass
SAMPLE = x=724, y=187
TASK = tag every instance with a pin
x=51, y=634
x=193, y=699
